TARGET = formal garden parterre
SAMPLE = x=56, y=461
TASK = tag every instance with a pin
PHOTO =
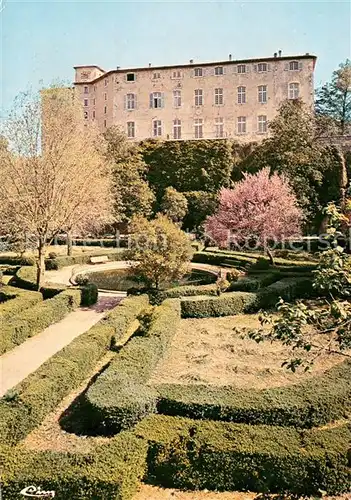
x=291, y=438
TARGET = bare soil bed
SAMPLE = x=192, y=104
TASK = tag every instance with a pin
x=208, y=351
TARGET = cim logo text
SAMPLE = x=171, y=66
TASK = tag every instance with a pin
x=36, y=492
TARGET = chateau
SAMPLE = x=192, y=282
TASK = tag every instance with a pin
x=224, y=99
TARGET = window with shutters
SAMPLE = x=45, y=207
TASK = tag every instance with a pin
x=241, y=95
x=293, y=65
x=219, y=127
x=294, y=90
x=177, y=98
x=157, y=128
x=241, y=68
x=219, y=70
x=241, y=124
x=218, y=97
x=262, y=94
x=198, y=97
x=156, y=100
x=130, y=101
x=198, y=72
x=131, y=129
x=198, y=123
x=177, y=129
x=262, y=124
x=262, y=67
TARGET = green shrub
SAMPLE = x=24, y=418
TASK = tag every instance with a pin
x=218, y=259
x=17, y=261
x=17, y=301
x=27, y=404
x=84, y=258
x=262, y=264
x=226, y=304
x=259, y=255
x=188, y=454
x=89, y=294
x=110, y=471
x=252, y=283
x=187, y=291
x=35, y=319
x=316, y=401
x=120, y=397
x=25, y=277
x=8, y=270
x=287, y=289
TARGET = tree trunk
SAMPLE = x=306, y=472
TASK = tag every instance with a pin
x=69, y=244
x=270, y=255
x=41, y=262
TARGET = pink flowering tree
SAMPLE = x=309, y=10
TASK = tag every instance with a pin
x=260, y=208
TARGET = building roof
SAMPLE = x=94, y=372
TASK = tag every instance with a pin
x=196, y=64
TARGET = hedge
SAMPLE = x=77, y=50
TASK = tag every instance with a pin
x=218, y=259
x=8, y=269
x=196, y=455
x=84, y=258
x=278, y=261
x=119, y=242
x=226, y=304
x=287, y=289
x=317, y=401
x=120, y=397
x=255, y=282
x=187, y=291
x=35, y=319
x=17, y=300
x=15, y=260
x=25, y=406
x=110, y=471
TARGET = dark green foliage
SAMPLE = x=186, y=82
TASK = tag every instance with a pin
x=287, y=289
x=26, y=405
x=110, y=471
x=17, y=261
x=201, y=204
x=98, y=242
x=35, y=318
x=203, y=165
x=188, y=454
x=25, y=277
x=89, y=294
x=120, y=397
x=187, y=291
x=226, y=304
x=60, y=262
x=16, y=300
x=254, y=282
x=8, y=269
x=314, y=402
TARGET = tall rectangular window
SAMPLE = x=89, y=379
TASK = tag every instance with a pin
x=219, y=127
x=198, y=72
x=241, y=124
x=86, y=102
x=131, y=129
x=241, y=95
x=294, y=90
x=156, y=100
x=156, y=75
x=262, y=124
x=93, y=114
x=105, y=96
x=106, y=82
x=177, y=74
x=241, y=68
x=262, y=67
x=86, y=90
x=130, y=101
x=198, y=97
x=198, y=123
x=177, y=129
x=177, y=98
x=218, y=97
x=105, y=110
x=219, y=70
x=157, y=128
x=262, y=94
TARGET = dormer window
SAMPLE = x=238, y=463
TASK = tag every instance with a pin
x=130, y=77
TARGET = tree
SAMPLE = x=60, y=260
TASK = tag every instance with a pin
x=132, y=193
x=174, y=205
x=293, y=151
x=55, y=175
x=160, y=251
x=201, y=204
x=325, y=327
x=333, y=100
x=260, y=208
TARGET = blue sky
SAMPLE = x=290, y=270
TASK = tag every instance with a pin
x=43, y=40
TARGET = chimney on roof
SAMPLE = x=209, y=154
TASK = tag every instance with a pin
x=280, y=53
x=118, y=67
x=275, y=54
x=307, y=53
x=191, y=61
x=149, y=65
x=230, y=57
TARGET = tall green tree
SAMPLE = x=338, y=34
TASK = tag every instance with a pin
x=132, y=193
x=333, y=100
x=174, y=205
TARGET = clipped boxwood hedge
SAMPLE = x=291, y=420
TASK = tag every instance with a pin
x=287, y=289
x=15, y=260
x=226, y=304
x=278, y=261
x=188, y=454
x=253, y=283
x=17, y=300
x=25, y=406
x=120, y=397
x=110, y=471
x=317, y=401
x=32, y=320
x=84, y=258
